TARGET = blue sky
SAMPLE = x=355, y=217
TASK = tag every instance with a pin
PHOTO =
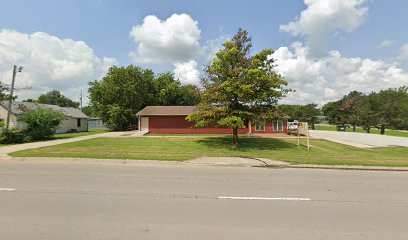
x=370, y=45
x=105, y=25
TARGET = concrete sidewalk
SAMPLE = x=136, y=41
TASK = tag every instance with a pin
x=360, y=140
x=4, y=151
x=236, y=162
x=201, y=162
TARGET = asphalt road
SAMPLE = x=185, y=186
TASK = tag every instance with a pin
x=45, y=200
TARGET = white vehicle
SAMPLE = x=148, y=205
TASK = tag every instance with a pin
x=293, y=125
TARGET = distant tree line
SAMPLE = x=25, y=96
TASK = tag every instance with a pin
x=304, y=113
x=54, y=97
x=383, y=109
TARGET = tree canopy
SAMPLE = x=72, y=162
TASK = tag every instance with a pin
x=389, y=108
x=124, y=91
x=303, y=113
x=292, y=112
x=4, y=94
x=54, y=97
x=88, y=110
x=309, y=113
x=386, y=108
x=239, y=87
x=346, y=110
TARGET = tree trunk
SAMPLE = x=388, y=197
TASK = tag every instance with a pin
x=313, y=126
x=368, y=129
x=235, y=136
x=382, y=130
x=354, y=128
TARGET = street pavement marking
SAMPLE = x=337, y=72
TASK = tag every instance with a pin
x=266, y=198
x=7, y=189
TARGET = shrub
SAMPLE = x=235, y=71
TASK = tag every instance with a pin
x=41, y=123
x=11, y=136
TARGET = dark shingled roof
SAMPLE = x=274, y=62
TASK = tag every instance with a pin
x=18, y=108
x=167, y=110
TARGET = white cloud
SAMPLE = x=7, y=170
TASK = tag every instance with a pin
x=106, y=64
x=386, y=43
x=187, y=72
x=319, y=76
x=212, y=46
x=174, y=40
x=322, y=18
x=49, y=63
x=404, y=52
x=328, y=78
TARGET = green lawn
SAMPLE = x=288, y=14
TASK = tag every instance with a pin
x=78, y=134
x=168, y=148
x=64, y=135
x=388, y=132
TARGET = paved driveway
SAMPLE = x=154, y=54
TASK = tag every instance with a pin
x=361, y=140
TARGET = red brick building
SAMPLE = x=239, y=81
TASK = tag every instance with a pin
x=172, y=120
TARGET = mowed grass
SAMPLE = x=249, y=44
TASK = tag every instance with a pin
x=63, y=136
x=169, y=148
x=79, y=134
x=388, y=132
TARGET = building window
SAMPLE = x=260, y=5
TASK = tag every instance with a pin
x=78, y=122
x=99, y=123
x=278, y=126
x=260, y=126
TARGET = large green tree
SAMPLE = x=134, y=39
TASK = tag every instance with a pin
x=55, y=97
x=332, y=112
x=292, y=112
x=304, y=113
x=351, y=108
x=365, y=115
x=308, y=113
x=170, y=92
x=389, y=108
x=124, y=91
x=239, y=87
x=121, y=93
x=88, y=110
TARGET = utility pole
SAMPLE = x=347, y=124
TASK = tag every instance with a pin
x=11, y=94
x=80, y=100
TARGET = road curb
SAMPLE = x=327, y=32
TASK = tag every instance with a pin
x=187, y=163
x=36, y=160
x=359, y=168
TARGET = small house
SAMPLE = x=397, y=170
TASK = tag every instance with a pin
x=96, y=123
x=75, y=120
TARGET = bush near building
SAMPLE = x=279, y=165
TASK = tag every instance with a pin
x=41, y=123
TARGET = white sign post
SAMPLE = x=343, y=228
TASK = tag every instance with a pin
x=303, y=129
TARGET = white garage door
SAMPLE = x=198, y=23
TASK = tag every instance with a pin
x=144, y=124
